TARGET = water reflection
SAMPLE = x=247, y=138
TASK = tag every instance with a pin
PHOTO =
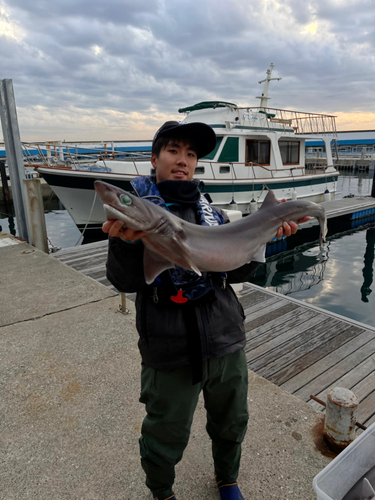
x=294, y=271
x=298, y=271
x=7, y=220
x=338, y=279
x=367, y=271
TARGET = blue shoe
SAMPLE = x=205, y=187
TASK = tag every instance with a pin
x=229, y=491
x=169, y=498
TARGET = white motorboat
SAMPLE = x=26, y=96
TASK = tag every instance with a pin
x=257, y=149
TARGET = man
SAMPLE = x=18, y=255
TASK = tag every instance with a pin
x=191, y=328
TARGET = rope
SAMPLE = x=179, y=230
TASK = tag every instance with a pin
x=88, y=220
x=49, y=199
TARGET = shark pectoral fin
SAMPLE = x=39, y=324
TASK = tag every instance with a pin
x=153, y=265
x=184, y=258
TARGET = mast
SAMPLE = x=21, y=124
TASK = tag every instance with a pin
x=264, y=97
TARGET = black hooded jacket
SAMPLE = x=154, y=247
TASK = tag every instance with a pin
x=166, y=328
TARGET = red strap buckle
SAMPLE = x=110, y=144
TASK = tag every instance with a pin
x=179, y=298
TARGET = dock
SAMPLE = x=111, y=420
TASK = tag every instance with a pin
x=298, y=347
x=307, y=351
x=70, y=412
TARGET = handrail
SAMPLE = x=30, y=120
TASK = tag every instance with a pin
x=248, y=108
x=250, y=164
x=301, y=121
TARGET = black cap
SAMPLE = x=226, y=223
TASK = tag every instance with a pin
x=200, y=134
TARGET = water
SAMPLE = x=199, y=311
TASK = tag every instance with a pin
x=339, y=280
x=61, y=230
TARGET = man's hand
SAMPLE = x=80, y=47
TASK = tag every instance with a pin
x=291, y=228
x=116, y=229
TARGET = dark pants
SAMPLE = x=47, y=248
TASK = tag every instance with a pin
x=171, y=399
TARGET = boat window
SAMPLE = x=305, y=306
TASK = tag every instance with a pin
x=258, y=152
x=199, y=170
x=230, y=150
x=211, y=155
x=290, y=152
x=225, y=170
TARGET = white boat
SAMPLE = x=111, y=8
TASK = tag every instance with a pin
x=257, y=149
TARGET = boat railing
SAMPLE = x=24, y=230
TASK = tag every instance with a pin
x=271, y=172
x=301, y=122
x=57, y=154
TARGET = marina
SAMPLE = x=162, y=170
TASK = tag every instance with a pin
x=299, y=348
x=268, y=108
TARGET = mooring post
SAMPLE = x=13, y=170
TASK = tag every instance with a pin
x=35, y=211
x=341, y=417
x=13, y=150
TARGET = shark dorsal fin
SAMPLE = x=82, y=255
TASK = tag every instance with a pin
x=270, y=200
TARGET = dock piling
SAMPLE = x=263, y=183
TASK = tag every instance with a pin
x=35, y=211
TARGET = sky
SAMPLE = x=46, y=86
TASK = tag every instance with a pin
x=117, y=69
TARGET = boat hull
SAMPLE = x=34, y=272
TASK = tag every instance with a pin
x=76, y=192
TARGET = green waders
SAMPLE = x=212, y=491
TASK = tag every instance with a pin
x=171, y=399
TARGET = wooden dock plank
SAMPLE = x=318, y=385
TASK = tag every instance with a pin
x=81, y=249
x=361, y=380
x=330, y=376
x=297, y=347
x=312, y=358
x=82, y=262
x=366, y=408
x=272, y=334
x=309, y=373
x=261, y=316
x=260, y=306
x=363, y=388
x=299, y=343
x=252, y=299
x=369, y=421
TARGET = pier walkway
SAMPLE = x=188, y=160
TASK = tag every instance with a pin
x=70, y=412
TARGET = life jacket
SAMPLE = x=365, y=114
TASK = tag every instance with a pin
x=192, y=286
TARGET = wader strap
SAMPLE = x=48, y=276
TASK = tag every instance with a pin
x=194, y=342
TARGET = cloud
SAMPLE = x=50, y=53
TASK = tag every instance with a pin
x=125, y=61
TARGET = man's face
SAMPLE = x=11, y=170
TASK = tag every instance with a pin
x=176, y=162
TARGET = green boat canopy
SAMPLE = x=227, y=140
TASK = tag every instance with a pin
x=206, y=105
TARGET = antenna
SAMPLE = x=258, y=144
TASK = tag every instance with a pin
x=264, y=97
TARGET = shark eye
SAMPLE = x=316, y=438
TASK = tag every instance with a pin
x=125, y=199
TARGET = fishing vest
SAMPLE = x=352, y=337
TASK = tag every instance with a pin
x=189, y=285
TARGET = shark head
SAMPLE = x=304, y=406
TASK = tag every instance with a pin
x=121, y=205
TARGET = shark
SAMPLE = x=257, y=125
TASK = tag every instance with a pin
x=170, y=241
